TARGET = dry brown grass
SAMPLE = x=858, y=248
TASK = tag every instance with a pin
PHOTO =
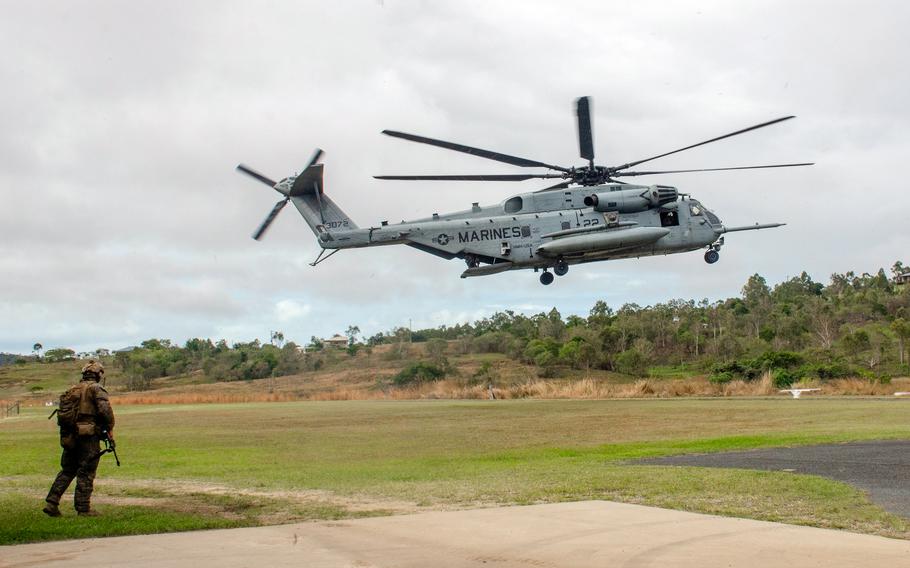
x=858, y=387
x=203, y=398
x=367, y=378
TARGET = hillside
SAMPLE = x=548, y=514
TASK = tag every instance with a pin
x=850, y=336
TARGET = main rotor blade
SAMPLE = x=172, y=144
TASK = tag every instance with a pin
x=585, y=138
x=254, y=174
x=744, y=130
x=316, y=155
x=268, y=220
x=488, y=154
x=623, y=174
x=481, y=177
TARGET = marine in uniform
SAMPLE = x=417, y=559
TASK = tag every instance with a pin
x=82, y=445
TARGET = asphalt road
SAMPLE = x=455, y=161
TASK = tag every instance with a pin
x=880, y=468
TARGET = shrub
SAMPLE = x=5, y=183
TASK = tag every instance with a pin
x=836, y=370
x=419, y=372
x=721, y=377
x=631, y=362
x=783, y=379
x=779, y=360
x=492, y=342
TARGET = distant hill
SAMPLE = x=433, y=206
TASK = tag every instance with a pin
x=10, y=358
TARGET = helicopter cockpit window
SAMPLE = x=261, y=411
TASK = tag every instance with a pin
x=513, y=204
x=695, y=210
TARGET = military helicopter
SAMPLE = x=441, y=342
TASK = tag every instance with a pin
x=589, y=216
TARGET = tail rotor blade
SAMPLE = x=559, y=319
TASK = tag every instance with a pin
x=256, y=175
x=585, y=137
x=268, y=220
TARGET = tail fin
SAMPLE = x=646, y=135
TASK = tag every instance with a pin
x=318, y=210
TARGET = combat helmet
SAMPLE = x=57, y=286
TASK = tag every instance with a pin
x=93, y=369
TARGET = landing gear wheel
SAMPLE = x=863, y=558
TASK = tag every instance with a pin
x=561, y=268
x=546, y=278
x=712, y=256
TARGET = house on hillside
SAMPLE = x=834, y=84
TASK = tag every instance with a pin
x=902, y=279
x=336, y=340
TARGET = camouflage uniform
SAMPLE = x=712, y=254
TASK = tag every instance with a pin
x=81, y=453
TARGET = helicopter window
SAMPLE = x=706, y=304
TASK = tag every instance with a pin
x=712, y=217
x=669, y=219
x=695, y=210
x=513, y=204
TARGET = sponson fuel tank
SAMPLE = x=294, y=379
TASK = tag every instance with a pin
x=606, y=240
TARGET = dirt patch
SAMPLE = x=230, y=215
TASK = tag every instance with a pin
x=265, y=507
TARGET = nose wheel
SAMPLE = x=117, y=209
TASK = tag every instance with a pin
x=712, y=256
x=546, y=278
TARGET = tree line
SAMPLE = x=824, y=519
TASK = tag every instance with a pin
x=855, y=325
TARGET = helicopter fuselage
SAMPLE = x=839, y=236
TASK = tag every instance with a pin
x=539, y=230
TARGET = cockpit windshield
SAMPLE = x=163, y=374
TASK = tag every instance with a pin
x=696, y=209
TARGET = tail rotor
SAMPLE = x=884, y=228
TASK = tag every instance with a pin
x=283, y=187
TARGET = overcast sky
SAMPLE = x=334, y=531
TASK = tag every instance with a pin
x=122, y=217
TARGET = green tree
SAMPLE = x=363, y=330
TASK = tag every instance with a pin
x=757, y=298
x=600, y=314
x=59, y=354
x=856, y=342
x=436, y=349
x=351, y=333
x=37, y=348
x=901, y=329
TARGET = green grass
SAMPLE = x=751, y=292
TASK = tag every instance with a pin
x=24, y=522
x=279, y=462
x=671, y=372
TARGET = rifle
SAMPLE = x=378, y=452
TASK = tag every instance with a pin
x=110, y=446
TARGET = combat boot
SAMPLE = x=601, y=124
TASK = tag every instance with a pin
x=89, y=513
x=51, y=510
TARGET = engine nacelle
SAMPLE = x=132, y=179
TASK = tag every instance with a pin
x=632, y=200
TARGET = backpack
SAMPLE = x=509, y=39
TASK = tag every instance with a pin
x=68, y=410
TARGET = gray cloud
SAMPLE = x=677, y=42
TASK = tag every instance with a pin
x=121, y=217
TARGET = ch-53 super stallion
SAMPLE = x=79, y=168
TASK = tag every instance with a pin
x=588, y=217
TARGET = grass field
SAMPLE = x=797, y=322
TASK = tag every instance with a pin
x=203, y=466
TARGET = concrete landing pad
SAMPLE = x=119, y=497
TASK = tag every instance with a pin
x=576, y=535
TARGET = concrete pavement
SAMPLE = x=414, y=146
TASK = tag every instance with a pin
x=576, y=535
